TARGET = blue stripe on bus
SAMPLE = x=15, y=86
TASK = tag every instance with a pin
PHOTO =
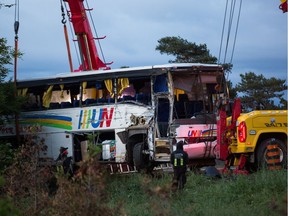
x=63, y=118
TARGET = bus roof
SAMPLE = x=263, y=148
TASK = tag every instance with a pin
x=117, y=73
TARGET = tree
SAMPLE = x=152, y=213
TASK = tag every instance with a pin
x=9, y=102
x=6, y=56
x=184, y=51
x=187, y=52
x=232, y=91
x=256, y=92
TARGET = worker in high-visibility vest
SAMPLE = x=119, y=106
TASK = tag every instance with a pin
x=179, y=159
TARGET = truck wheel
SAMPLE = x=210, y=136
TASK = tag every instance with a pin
x=138, y=157
x=262, y=152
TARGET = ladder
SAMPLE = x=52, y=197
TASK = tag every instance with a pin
x=124, y=168
x=121, y=168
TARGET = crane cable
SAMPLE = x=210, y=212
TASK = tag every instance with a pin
x=72, y=33
x=232, y=9
x=66, y=37
x=229, y=28
x=16, y=29
x=222, y=35
x=236, y=31
x=101, y=51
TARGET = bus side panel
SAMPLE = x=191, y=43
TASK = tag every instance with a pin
x=120, y=148
x=53, y=142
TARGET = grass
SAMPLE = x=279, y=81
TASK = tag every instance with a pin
x=94, y=192
x=261, y=193
x=24, y=190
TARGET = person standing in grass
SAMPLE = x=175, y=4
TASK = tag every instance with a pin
x=179, y=160
x=66, y=161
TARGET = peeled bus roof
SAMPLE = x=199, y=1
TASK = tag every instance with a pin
x=82, y=76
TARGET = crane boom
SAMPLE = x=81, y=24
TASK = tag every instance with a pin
x=87, y=48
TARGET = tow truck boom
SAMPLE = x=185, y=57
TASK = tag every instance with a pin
x=87, y=48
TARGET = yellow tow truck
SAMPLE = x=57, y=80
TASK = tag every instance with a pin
x=252, y=140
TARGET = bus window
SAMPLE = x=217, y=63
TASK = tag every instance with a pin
x=193, y=95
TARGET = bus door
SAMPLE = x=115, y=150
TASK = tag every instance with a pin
x=163, y=104
x=162, y=112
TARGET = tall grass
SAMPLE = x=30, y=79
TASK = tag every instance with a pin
x=92, y=191
x=261, y=193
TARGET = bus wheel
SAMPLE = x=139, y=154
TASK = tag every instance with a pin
x=138, y=157
x=129, y=154
x=271, y=149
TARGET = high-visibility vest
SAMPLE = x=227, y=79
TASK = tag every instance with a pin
x=176, y=162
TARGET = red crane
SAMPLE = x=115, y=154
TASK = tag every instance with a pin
x=283, y=6
x=87, y=48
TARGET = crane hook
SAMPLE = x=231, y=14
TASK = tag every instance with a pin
x=63, y=14
x=64, y=20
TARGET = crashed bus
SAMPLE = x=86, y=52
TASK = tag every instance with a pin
x=135, y=115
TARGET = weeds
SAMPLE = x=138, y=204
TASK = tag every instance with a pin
x=45, y=190
x=36, y=189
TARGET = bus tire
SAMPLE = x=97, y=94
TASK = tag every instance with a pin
x=262, y=151
x=138, y=156
x=129, y=154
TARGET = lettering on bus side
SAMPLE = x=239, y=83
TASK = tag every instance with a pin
x=202, y=133
x=276, y=124
x=95, y=118
x=194, y=133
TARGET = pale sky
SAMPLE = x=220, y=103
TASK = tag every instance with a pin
x=134, y=27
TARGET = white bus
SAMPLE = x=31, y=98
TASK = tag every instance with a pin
x=135, y=114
